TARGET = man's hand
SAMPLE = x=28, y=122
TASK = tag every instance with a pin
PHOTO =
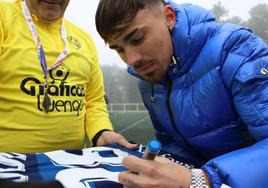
x=154, y=173
x=110, y=137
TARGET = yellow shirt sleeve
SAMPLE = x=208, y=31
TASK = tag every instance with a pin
x=97, y=117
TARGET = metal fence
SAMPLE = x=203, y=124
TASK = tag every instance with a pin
x=126, y=107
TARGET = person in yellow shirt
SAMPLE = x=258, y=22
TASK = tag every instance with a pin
x=51, y=85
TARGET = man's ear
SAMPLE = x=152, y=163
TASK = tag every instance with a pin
x=170, y=17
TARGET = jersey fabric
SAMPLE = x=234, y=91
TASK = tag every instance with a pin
x=96, y=167
x=213, y=105
x=76, y=87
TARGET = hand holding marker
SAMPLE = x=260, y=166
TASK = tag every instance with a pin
x=152, y=149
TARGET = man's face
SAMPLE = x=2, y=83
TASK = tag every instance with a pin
x=48, y=10
x=146, y=45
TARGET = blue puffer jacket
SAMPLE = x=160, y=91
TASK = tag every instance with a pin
x=214, y=106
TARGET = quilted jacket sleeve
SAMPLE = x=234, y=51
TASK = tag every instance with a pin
x=248, y=83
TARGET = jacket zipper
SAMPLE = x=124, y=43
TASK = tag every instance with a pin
x=194, y=151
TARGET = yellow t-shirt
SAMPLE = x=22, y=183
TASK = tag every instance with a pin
x=75, y=88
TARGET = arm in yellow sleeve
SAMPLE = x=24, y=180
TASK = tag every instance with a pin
x=97, y=117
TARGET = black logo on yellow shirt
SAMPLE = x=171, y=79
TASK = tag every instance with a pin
x=57, y=87
x=74, y=41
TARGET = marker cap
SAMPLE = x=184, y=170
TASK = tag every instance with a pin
x=154, y=146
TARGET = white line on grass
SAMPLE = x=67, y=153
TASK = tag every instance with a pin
x=134, y=125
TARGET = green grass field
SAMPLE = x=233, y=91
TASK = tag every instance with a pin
x=135, y=126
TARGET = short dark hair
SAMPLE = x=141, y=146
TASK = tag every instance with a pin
x=113, y=16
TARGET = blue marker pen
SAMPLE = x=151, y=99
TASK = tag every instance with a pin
x=152, y=149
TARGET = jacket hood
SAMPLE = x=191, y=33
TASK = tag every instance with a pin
x=190, y=33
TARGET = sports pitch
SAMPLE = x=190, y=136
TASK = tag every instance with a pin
x=135, y=126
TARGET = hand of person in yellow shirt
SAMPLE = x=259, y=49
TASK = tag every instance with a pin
x=110, y=137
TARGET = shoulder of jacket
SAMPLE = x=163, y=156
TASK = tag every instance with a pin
x=252, y=70
x=246, y=56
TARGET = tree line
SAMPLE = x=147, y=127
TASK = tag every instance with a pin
x=258, y=21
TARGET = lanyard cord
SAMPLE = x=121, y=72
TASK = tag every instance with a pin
x=41, y=53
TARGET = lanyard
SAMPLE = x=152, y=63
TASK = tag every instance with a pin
x=41, y=53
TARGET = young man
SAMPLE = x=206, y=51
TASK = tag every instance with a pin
x=51, y=86
x=205, y=85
